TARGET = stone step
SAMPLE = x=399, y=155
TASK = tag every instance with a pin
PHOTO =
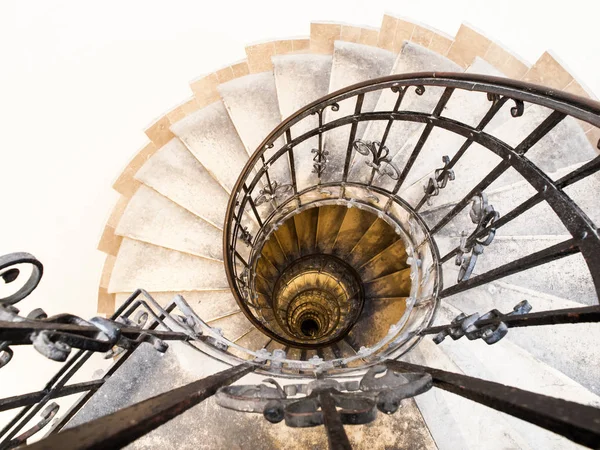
x=306, y=230
x=564, y=347
x=254, y=340
x=396, y=284
x=412, y=58
x=175, y=173
x=211, y=137
x=158, y=269
x=377, y=316
x=329, y=221
x=390, y=260
x=456, y=422
x=155, y=219
x=300, y=80
x=377, y=238
x=352, y=63
x=208, y=425
x=253, y=106
x=567, y=277
x=507, y=363
x=355, y=224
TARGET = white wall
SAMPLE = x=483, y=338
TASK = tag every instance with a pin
x=80, y=80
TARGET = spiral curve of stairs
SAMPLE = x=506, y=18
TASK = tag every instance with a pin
x=165, y=233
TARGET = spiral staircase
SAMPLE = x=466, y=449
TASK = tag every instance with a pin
x=324, y=203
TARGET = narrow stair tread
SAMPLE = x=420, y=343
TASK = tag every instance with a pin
x=178, y=175
x=212, y=138
x=153, y=218
x=139, y=264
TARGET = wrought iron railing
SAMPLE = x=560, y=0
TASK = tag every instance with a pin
x=315, y=157
x=325, y=401
x=262, y=199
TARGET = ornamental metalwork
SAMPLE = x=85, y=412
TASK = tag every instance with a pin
x=245, y=236
x=439, y=180
x=470, y=326
x=273, y=191
x=319, y=160
x=380, y=160
x=471, y=246
x=356, y=402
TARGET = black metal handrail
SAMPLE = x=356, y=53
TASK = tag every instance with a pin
x=281, y=144
x=328, y=401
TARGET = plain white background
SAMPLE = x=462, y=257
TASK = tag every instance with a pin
x=81, y=80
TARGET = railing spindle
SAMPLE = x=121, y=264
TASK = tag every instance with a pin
x=552, y=253
x=120, y=428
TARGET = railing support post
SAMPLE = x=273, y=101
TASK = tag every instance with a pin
x=122, y=427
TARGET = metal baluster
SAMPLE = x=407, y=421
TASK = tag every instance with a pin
x=483, y=184
x=540, y=131
x=579, y=423
x=579, y=174
x=288, y=139
x=34, y=397
x=336, y=435
x=120, y=428
x=252, y=206
x=359, y=102
x=586, y=314
x=557, y=251
x=400, y=91
x=424, y=135
x=516, y=212
x=497, y=104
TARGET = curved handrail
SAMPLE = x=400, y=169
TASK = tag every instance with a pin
x=583, y=230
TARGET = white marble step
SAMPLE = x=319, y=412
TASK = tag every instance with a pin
x=157, y=269
x=565, y=145
x=456, y=422
x=153, y=218
x=211, y=137
x=412, y=58
x=352, y=63
x=252, y=104
x=567, y=277
x=300, y=80
x=565, y=347
x=509, y=364
x=176, y=173
x=253, y=340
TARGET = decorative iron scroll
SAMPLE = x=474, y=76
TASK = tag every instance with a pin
x=464, y=325
x=55, y=336
x=357, y=401
x=273, y=191
x=483, y=215
x=46, y=417
x=245, y=236
x=380, y=160
x=439, y=180
x=320, y=160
